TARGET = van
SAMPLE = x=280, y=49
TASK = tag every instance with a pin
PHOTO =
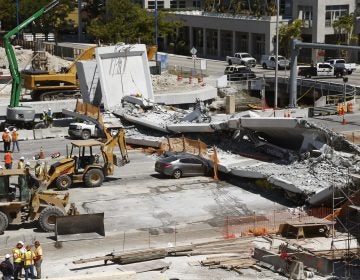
x=268, y=61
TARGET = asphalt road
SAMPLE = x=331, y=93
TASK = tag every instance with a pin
x=142, y=207
x=217, y=67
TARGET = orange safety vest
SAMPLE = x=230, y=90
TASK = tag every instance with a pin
x=14, y=136
x=28, y=258
x=8, y=158
x=17, y=255
x=6, y=137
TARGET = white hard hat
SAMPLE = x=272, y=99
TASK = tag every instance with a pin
x=1, y=167
x=14, y=129
x=44, y=110
x=7, y=256
x=21, y=242
x=22, y=158
x=27, y=163
x=49, y=109
x=6, y=130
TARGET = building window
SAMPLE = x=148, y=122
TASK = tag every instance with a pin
x=305, y=14
x=197, y=4
x=182, y=4
x=333, y=12
x=173, y=4
x=160, y=4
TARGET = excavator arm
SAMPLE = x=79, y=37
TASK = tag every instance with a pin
x=10, y=54
x=108, y=151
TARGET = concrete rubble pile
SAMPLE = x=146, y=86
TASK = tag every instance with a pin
x=307, y=169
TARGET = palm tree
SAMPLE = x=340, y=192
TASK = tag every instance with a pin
x=344, y=25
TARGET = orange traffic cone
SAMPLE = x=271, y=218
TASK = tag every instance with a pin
x=179, y=77
x=285, y=114
x=289, y=114
x=200, y=79
x=41, y=154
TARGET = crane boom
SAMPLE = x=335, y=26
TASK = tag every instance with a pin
x=10, y=54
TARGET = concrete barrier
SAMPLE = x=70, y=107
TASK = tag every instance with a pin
x=129, y=275
x=26, y=134
x=50, y=132
x=205, y=93
x=143, y=142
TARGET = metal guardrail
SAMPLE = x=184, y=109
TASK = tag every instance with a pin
x=325, y=110
x=323, y=86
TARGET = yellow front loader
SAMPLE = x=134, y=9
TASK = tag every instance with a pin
x=85, y=165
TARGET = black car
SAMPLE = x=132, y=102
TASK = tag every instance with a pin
x=239, y=73
x=181, y=165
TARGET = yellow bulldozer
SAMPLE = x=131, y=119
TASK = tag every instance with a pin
x=85, y=165
x=20, y=202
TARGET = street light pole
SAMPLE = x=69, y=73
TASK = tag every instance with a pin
x=345, y=80
x=156, y=29
x=17, y=13
x=276, y=57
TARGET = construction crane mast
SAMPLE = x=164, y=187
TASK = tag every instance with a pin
x=20, y=115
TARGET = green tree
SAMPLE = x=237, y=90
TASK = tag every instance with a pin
x=7, y=14
x=344, y=27
x=287, y=32
x=130, y=23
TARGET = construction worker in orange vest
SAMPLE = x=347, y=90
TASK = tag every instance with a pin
x=6, y=139
x=14, y=140
x=8, y=160
x=28, y=258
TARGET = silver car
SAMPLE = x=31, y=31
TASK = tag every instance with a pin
x=179, y=165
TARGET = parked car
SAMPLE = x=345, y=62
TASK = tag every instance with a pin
x=238, y=73
x=241, y=58
x=321, y=69
x=268, y=61
x=181, y=165
x=341, y=63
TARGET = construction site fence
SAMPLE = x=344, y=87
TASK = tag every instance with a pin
x=260, y=224
x=186, y=72
x=195, y=147
x=234, y=226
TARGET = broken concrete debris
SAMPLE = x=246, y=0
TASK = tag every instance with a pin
x=291, y=154
x=302, y=159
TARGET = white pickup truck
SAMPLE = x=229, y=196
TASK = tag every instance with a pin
x=241, y=58
x=83, y=130
x=341, y=63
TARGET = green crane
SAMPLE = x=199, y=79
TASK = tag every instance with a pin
x=20, y=115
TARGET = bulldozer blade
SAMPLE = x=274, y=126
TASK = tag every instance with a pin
x=79, y=227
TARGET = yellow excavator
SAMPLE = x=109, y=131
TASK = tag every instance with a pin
x=45, y=85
